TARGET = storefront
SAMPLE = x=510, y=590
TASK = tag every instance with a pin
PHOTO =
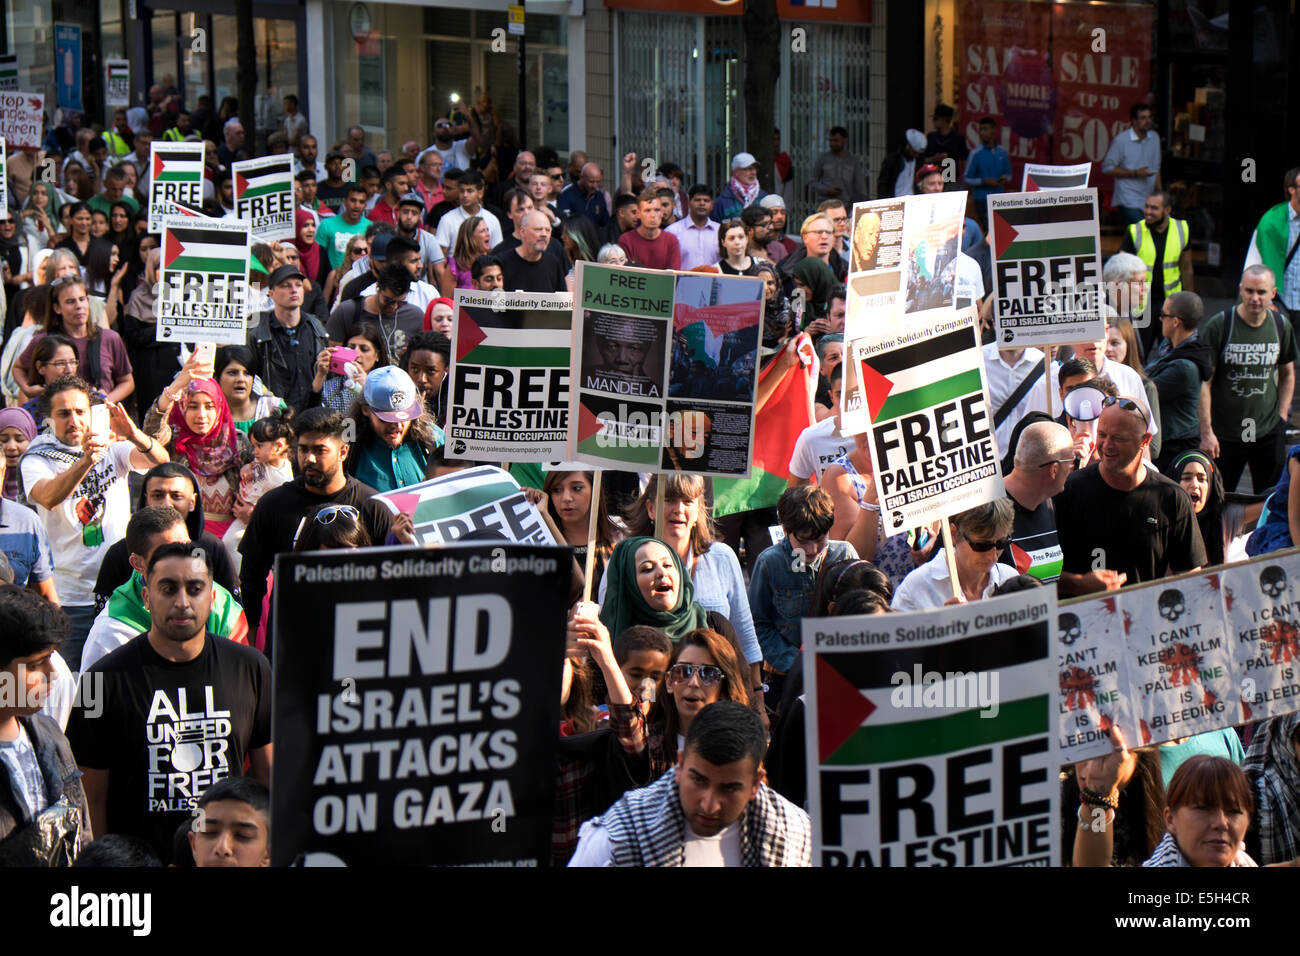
x=1060, y=77
x=678, y=78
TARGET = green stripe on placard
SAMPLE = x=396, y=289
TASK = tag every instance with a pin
x=279, y=186
x=509, y=357
x=206, y=264
x=1051, y=248
x=446, y=506
x=927, y=396
x=180, y=176
x=647, y=454
x=888, y=743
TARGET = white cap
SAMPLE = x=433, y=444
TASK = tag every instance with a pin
x=916, y=139
x=743, y=161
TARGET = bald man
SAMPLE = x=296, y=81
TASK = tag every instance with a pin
x=586, y=197
x=1044, y=458
x=529, y=267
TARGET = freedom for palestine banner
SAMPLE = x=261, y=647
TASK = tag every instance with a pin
x=175, y=175
x=1046, y=267
x=264, y=196
x=509, y=376
x=203, y=284
x=931, y=433
x=931, y=736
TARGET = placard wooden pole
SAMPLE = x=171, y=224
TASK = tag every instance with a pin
x=1047, y=377
x=593, y=532
x=660, y=488
x=951, y=557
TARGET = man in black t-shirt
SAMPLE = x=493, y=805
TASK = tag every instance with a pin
x=386, y=308
x=322, y=450
x=1044, y=459
x=1120, y=521
x=529, y=267
x=180, y=711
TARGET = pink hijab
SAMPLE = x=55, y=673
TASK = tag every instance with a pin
x=308, y=251
x=216, y=452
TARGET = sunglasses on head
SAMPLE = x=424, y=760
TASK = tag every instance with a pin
x=708, y=673
x=983, y=547
x=1128, y=405
x=327, y=514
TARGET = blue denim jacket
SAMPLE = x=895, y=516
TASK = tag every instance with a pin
x=779, y=595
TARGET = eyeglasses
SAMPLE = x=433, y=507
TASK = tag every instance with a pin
x=62, y=363
x=709, y=674
x=1128, y=405
x=821, y=232
x=983, y=547
x=327, y=514
x=1058, y=461
x=555, y=175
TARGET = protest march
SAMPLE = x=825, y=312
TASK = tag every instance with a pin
x=468, y=501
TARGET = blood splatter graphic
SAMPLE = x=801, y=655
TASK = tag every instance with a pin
x=1183, y=663
x=1079, y=688
x=1282, y=641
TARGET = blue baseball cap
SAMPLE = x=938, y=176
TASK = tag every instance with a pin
x=391, y=395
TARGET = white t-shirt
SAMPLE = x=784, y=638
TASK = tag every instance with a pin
x=76, y=564
x=420, y=295
x=721, y=849
x=449, y=226
x=817, y=448
x=930, y=587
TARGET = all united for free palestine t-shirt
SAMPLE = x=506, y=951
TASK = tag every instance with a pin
x=1035, y=549
x=168, y=731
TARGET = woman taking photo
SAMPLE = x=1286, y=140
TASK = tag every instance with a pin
x=244, y=392
x=339, y=391
x=474, y=239
x=101, y=354
x=568, y=499
x=193, y=421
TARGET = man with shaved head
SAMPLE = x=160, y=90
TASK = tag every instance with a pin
x=529, y=267
x=525, y=164
x=585, y=197
x=1044, y=458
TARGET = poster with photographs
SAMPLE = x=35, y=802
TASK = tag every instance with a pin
x=666, y=366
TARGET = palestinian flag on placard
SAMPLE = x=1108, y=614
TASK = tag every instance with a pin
x=704, y=327
x=196, y=249
x=177, y=163
x=928, y=373
x=858, y=723
x=513, y=338
x=459, y=493
x=1044, y=232
x=262, y=177
x=639, y=447
x=788, y=411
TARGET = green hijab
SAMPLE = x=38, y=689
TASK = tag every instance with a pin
x=625, y=606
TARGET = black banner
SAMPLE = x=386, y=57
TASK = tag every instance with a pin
x=417, y=705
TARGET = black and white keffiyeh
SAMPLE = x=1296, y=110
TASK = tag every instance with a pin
x=1167, y=853
x=1274, y=770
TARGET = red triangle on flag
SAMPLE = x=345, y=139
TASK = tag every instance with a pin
x=841, y=709
x=1003, y=235
x=1031, y=185
x=241, y=183
x=877, y=388
x=1020, y=557
x=175, y=249
x=405, y=502
x=588, y=423
x=468, y=336
x=157, y=165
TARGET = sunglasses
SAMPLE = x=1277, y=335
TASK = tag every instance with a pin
x=983, y=547
x=1058, y=461
x=327, y=514
x=1128, y=405
x=709, y=674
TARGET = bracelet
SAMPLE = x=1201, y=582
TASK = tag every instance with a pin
x=761, y=689
x=1094, y=799
x=868, y=506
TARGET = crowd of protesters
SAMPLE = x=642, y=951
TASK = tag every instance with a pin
x=682, y=737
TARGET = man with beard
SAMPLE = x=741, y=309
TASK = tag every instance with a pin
x=321, y=450
x=180, y=710
x=396, y=437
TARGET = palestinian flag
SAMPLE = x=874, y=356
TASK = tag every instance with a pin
x=513, y=338
x=788, y=411
x=704, y=327
x=8, y=72
x=433, y=503
x=262, y=177
x=609, y=440
x=177, y=163
x=915, y=377
x=199, y=249
x=1045, y=232
x=864, y=716
x=1036, y=181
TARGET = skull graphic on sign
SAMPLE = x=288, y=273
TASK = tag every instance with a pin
x=1171, y=605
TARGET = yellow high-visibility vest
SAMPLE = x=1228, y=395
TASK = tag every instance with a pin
x=1144, y=246
x=117, y=144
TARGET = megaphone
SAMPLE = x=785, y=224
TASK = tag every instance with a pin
x=1083, y=402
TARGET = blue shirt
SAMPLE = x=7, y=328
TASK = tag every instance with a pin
x=387, y=469
x=573, y=203
x=1128, y=152
x=720, y=586
x=23, y=540
x=987, y=162
x=779, y=595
